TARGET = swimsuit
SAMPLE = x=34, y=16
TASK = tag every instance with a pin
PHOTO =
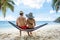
x=23, y=27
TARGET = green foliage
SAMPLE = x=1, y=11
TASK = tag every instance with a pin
x=55, y=5
x=10, y=6
x=0, y=4
x=5, y=4
x=57, y=20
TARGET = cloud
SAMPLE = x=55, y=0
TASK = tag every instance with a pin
x=2, y=18
x=7, y=18
x=43, y=18
x=52, y=11
x=59, y=11
x=48, y=1
x=10, y=18
x=31, y=3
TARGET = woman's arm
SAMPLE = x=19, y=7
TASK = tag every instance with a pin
x=34, y=23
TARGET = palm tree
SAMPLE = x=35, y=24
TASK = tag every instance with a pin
x=0, y=4
x=4, y=4
x=56, y=4
x=57, y=20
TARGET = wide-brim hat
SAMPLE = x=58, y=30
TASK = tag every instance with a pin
x=30, y=15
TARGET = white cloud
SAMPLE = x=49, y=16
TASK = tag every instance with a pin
x=31, y=3
x=59, y=11
x=44, y=19
x=2, y=18
x=7, y=18
x=49, y=1
x=52, y=11
x=10, y=18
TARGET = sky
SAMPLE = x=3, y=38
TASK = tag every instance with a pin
x=41, y=9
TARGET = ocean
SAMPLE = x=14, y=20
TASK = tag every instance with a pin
x=6, y=25
x=49, y=32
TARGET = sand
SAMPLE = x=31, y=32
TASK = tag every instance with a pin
x=48, y=32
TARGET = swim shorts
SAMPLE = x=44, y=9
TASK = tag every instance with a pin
x=23, y=27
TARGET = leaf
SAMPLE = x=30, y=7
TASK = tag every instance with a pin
x=4, y=11
x=0, y=4
x=53, y=3
x=10, y=6
x=11, y=1
x=6, y=4
x=57, y=8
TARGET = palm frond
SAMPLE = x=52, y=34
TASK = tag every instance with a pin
x=53, y=3
x=0, y=4
x=11, y=1
x=57, y=8
x=6, y=4
x=4, y=10
x=10, y=6
x=57, y=4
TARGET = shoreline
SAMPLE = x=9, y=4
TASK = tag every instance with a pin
x=48, y=32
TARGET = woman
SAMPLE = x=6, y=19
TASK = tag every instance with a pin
x=30, y=21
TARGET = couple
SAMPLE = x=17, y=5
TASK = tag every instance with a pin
x=25, y=24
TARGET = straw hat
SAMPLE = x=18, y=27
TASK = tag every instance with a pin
x=30, y=15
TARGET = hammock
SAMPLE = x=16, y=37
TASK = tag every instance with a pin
x=28, y=30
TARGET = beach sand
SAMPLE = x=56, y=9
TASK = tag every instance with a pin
x=48, y=32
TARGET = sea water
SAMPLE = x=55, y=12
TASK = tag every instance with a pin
x=6, y=25
x=51, y=34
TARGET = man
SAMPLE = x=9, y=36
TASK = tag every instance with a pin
x=30, y=21
x=21, y=21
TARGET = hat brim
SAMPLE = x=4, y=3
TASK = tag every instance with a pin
x=27, y=15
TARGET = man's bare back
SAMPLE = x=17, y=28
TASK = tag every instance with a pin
x=21, y=21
